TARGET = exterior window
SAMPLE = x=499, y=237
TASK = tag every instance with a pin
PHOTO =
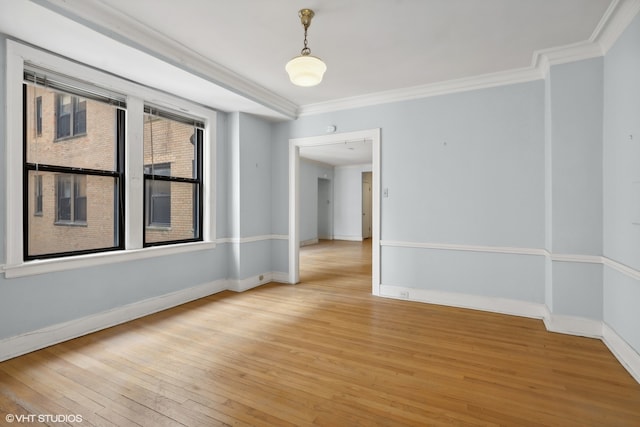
x=173, y=178
x=37, y=210
x=39, y=115
x=71, y=199
x=79, y=185
x=158, y=198
x=67, y=167
x=71, y=116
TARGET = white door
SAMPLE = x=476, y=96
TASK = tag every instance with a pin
x=325, y=209
x=366, y=205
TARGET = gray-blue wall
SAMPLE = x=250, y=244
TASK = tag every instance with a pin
x=574, y=168
x=249, y=168
x=464, y=169
x=621, y=159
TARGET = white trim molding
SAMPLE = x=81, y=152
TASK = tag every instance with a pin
x=617, y=17
x=251, y=239
x=34, y=340
x=122, y=27
x=627, y=356
x=621, y=268
x=309, y=242
x=348, y=238
x=241, y=285
x=484, y=81
x=474, y=302
x=43, y=266
x=111, y=22
x=470, y=248
x=615, y=20
x=294, y=197
x=577, y=258
x=54, y=334
x=570, y=325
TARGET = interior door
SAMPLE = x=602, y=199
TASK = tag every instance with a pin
x=325, y=209
x=366, y=205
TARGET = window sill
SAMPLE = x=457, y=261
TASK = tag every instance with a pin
x=70, y=137
x=31, y=268
x=158, y=227
x=71, y=223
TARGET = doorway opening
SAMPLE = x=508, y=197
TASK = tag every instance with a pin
x=330, y=141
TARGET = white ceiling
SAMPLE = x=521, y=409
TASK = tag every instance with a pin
x=230, y=55
x=340, y=153
x=369, y=46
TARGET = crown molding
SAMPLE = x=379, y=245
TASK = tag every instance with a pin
x=613, y=23
x=423, y=91
x=615, y=20
x=117, y=25
x=122, y=27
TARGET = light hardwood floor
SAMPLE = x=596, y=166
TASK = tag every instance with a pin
x=324, y=352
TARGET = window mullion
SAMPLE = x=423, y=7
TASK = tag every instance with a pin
x=134, y=169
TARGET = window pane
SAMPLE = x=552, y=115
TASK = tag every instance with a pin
x=175, y=208
x=77, y=213
x=169, y=142
x=158, y=203
x=80, y=199
x=38, y=108
x=63, y=198
x=63, y=116
x=80, y=117
x=38, y=195
x=89, y=128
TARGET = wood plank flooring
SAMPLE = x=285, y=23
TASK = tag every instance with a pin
x=323, y=352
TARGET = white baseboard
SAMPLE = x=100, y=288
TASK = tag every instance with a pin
x=54, y=334
x=495, y=305
x=241, y=285
x=625, y=354
x=279, y=277
x=628, y=357
x=308, y=242
x=25, y=343
x=350, y=238
x=572, y=325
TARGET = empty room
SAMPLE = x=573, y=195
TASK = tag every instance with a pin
x=288, y=213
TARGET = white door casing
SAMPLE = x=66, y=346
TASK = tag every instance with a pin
x=294, y=197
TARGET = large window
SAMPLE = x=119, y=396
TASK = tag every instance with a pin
x=173, y=178
x=79, y=184
x=70, y=191
x=71, y=115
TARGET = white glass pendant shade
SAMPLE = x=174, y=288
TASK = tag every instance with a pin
x=305, y=70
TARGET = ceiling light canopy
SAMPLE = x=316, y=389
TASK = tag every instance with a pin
x=305, y=70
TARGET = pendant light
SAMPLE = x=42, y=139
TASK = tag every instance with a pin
x=305, y=70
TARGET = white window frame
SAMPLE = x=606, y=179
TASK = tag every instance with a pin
x=15, y=266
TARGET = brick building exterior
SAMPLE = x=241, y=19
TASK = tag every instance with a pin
x=71, y=212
